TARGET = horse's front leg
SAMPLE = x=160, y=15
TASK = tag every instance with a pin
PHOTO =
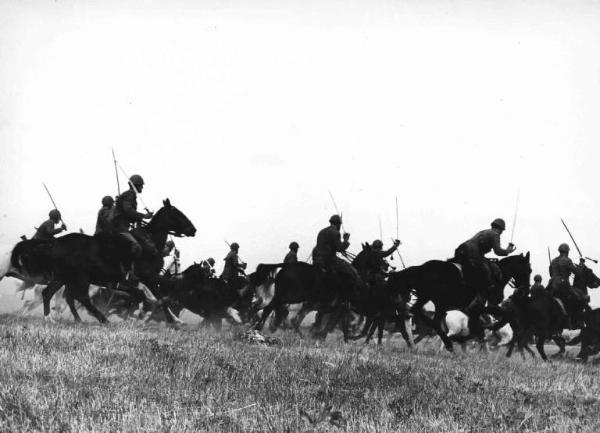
x=434, y=323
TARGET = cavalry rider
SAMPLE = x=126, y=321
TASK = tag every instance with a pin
x=537, y=285
x=292, y=255
x=46, y=230
x=103, y=224
x=324, y=253
x=233, y=265
x=380, y=265
x=474, y=250
x=125, y=214
x=561, y=269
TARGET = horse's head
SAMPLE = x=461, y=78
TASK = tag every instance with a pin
x=367, y=259
x=402, y=282
x=172, y=220
x=193, y=272
x=585, y=278
x=517, y=268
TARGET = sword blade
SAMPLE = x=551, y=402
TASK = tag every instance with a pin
x=571, y=236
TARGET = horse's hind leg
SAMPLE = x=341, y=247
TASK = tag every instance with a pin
x=371, y=330
x=263, y=318
x=380, y=327
x=560, y=342
x=47, y=294
x=540, y=348
x=71, y=303
x=80, y=291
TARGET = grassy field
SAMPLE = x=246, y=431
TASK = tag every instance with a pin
x=132, y=377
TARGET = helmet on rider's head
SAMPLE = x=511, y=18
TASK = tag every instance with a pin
x=235, y=246
x=54, y=214
x=335, y=219
x=170, y=244
x=563, y=248
x=377, y=244
x=211, y=261
x=499, y=223
x=294, y=245
x=537, y=278
x=136, y=180
x=108, y=201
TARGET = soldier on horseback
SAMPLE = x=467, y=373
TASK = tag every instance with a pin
x=328, y=245
x=473, y=251
x=103, y=224
x=292, y=255
x=46, y=230
x=561, y=269
x=125, y=215
x=233, y=265
x=380, y=265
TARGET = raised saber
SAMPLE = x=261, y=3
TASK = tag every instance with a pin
x=53, y=203
x=571, y=236
x=512, y=233
x=400, y=256
x=549, y=258
x=575, y=243
x=116, y=171
x=336, y=208
x=397, y=225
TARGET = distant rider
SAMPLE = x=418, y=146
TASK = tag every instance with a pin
x=292, y=255
x=46, y=230
x=474, y=250
x=233, y=265
x=103, y=224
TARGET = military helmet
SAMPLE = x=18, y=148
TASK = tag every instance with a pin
x=108, y=201
x=335, y=219
x=235, y=246
x=499, y=222
x=211, y=261
x=537, y=278
x=136, y=180
x=563, y=248
x=170, y=244
x=377, y=244
x=294, y=245
x=54, y=214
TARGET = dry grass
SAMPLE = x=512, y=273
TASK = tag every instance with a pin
x=127, y=377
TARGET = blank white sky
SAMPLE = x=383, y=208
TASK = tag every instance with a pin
x=246, y=113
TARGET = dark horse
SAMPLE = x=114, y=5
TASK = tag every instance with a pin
x=76, y=260
x=211, y=298
x=544, y=316
x=381, y=302
x=304, y=283
x=442, y=283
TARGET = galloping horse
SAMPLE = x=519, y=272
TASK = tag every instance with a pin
x=77, y=260
x=442, y=283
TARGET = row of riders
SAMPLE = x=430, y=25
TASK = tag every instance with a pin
x=128, y=248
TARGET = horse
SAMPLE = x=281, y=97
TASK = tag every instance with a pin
x=77, y=260
x=302, y=283
x=211, y=298
x=578, y=301
x=380, y=302
x=590, y=335
x=442, y=283
x=544, y=316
